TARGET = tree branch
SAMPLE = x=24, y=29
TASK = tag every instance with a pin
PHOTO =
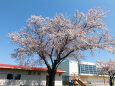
x=43, y=57
x=50, y=55
x=62, y=48
x=67, y=54
x=63, y=58
x=59, y=63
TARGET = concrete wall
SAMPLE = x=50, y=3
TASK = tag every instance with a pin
x=95, y=79
x=35, y=79
x=73, y=67
x=65, y=67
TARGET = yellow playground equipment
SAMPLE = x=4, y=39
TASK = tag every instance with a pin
x=75, y=80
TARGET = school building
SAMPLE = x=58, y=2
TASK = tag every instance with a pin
x=85, y=71
x=14, y=75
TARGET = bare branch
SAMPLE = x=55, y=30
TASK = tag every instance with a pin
x=51, y=56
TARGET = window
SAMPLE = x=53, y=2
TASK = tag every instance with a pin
x=9, y=76
x=17, y=76
x=29, y=72
x=88, y=69
x=39, y=73
x=60, y=74
x=34, y=73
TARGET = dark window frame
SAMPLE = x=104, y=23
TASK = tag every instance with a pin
x=10, y=76
x=17, y=77
x=29, y=72
x=13, y=76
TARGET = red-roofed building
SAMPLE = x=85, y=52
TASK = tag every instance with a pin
x=15, y=75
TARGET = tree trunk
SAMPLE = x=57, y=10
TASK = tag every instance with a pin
x=111, y=84
x=51, y=77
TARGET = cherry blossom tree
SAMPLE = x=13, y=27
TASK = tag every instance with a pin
x=56, y=39
x=107, y=68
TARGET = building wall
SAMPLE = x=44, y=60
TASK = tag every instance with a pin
x=96, y=80
x=35, y=79
x=65, y=67
x=72, y=67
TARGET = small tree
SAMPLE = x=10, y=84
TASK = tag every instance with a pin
x=107, y=68
x=56, y=39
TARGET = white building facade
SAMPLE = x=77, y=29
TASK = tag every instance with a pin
x=13, y=75
x=85, y=71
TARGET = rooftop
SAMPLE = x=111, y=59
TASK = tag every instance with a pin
x=18, y=67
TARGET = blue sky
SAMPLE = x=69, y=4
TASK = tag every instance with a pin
x=14, y=13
